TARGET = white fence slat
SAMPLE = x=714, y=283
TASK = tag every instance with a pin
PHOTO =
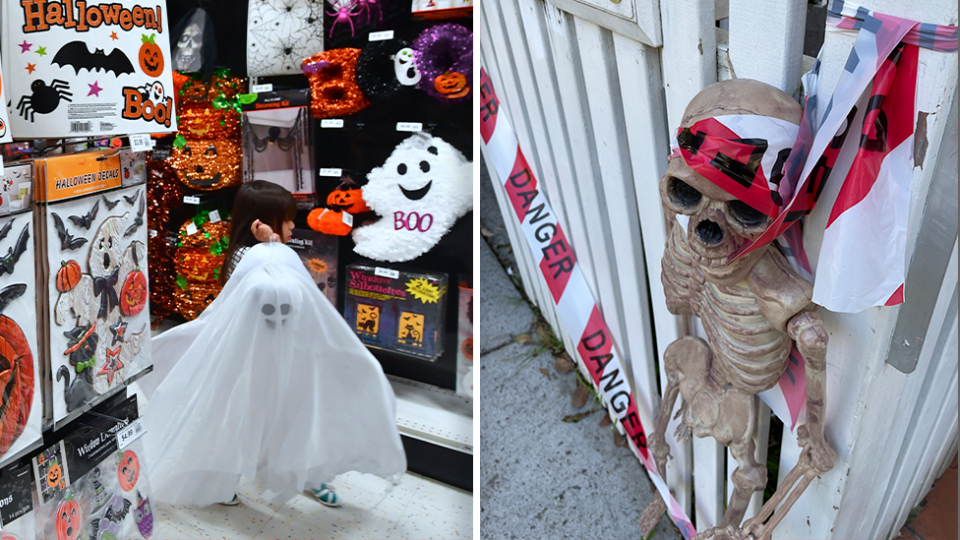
x=708, y=475
x=534, y=14
x=509, y=91
x=766, y=41
x=582, y=140
x=689, y=53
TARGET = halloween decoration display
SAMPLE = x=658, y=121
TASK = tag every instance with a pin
x=333, y=86
x=278, y=147
x=756, y=310
x=421, y=190
x=201, y=121
x=20, y=400
x=319, y=255
x=380, y=67
x=208, y=165
x=281, y=33
x=198, y=261
x=403, y=314
x=220, y=85
x=444, y=58
x=272, y=296
x=164, y=195
x=101, y=58
x=342, y=204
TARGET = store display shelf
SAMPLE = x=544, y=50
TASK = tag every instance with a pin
x=434, y=415
x=77, y=413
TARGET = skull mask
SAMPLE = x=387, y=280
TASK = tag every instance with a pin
x=718, y=224
x=189, y=47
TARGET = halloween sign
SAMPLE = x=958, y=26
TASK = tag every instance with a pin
x=20, y=400
x=87, y=68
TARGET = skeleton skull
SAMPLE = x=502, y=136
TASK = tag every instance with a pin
x=187, y=58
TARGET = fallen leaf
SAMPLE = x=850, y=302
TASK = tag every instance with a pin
x=544, y=332
x=580, y=397
x=619, y=440
x=564, y=364
x=606, y=420
x=523, y=339
x=574, y=418
x=486, y=232
x=545, y=372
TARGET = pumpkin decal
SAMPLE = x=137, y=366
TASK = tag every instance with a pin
x=452, y=85
x=16, y=373
x=348, y=199
x=150, y=56
x=54, y=475
x=133, y=295
x=69, y=520
x=68, y=275
x=129, y=470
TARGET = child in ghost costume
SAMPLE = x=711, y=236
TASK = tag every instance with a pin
x=269, y=383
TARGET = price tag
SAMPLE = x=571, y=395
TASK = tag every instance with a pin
x=191, y=199
x=261, y=88
x=153, y=143
x=129, y=434
x=348, y=219
x=331, y=123
x=153, y=234
x=214, y=216
x=381, y=36
x=191, y=229
x=412, y=127
x=1, y=166
x=140, y=143
x=386, y=272
x=331, y=172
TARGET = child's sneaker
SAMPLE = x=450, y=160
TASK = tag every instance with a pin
x=326, y=496
x=232, y=502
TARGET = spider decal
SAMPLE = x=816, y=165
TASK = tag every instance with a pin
x=344, y=13
x=44, y=99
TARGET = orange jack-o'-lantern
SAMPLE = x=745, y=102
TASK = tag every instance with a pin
x=68, y=275
x=198, y=265
x=198, y=262
x=69, y=520
x=452, y=85
x=203, y=121
x=54, y=475
x=133, y=295
x=129, y=470
x=348, y=199
x=328, y=221
x=16, y=374
x=150, y=56
x=194, y=90
x=208, y=165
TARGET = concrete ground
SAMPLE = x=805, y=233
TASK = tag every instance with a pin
x=541, y=477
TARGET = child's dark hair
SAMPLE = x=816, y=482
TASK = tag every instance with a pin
x=262, y=200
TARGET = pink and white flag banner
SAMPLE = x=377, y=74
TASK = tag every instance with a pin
x=578, y=311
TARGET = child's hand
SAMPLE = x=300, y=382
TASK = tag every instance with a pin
x=263, y=232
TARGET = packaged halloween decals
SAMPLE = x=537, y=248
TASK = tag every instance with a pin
x=87, y=68
x=15, y=187
x=422, y=189
x=21, y=407
x=16, y=493
x=95, y=258
x=398, y=311
x=319, y=255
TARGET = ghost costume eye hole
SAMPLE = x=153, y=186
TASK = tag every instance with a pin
x=424, y=166
x=683, y=193
x=268, y=309
x=284, y=309
x=402, y=168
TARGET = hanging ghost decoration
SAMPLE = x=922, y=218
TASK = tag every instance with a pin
x=421, y=190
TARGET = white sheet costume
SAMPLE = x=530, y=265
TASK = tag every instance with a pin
x=268, y=383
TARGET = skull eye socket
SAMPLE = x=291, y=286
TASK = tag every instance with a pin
x=683, y=193
x=746, y=215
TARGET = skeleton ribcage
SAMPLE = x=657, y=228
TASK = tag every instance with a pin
x=748, y=352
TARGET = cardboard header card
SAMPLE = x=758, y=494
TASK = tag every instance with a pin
x=75, y=68
x=68, y=176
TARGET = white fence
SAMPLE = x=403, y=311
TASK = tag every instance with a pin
x=592, y=87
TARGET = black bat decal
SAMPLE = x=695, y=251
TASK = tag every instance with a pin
x=6, y=229
x=110, y=204
x=86, y=220
x=138, y=220
x=67, y=240
x=76, y=55
x=8, y=261
x=11, y=293
x=131, y=200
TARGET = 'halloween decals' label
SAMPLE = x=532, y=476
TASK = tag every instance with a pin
x=87, y=67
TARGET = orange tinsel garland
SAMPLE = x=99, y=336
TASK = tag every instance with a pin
x=333, y=83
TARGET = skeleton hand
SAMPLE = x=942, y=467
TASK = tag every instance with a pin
x=660, y=451
x=822, y=457
x=729, y=532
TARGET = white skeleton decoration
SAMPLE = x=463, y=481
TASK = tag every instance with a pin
x=751, y=308
x=187, y=56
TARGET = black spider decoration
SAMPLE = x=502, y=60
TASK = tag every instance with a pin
x=293, y=142
x=44, y=99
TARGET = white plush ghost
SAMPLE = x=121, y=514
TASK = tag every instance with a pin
x=420, y=192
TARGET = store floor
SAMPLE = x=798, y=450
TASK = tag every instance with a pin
x=372, y=508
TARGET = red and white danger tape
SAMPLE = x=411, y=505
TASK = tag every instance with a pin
x=575, y=303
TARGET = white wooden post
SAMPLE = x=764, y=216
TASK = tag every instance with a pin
x=766, y=41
